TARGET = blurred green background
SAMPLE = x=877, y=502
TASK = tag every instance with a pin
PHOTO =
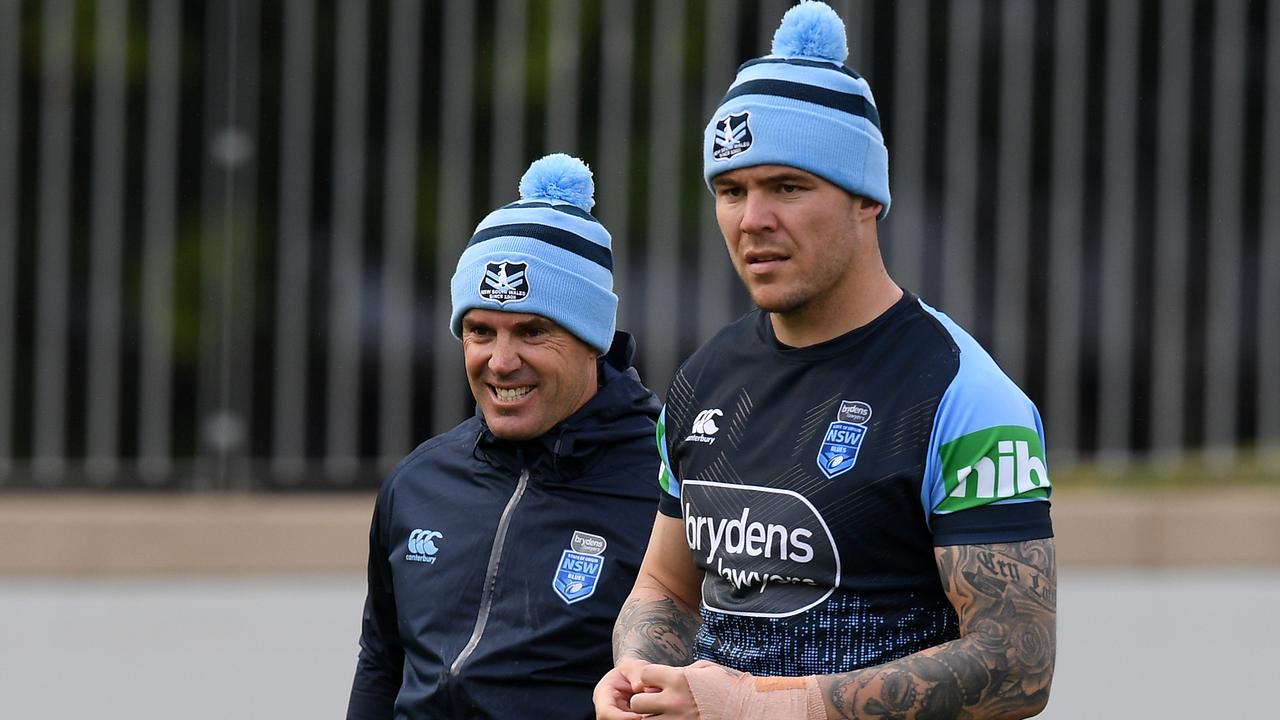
x=226, y=228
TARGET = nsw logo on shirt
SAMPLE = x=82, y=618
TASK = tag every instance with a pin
x=839, y=450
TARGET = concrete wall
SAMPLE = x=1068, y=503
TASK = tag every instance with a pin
x=202, y=534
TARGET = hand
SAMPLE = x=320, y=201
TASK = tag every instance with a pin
x=612, y=696
x=662, y=691
x=707, y=691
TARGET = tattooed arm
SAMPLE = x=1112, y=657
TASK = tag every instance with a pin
x=657, y=623
x=660, y=618
x=1002, y=665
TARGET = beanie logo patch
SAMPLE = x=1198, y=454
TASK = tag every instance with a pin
x=505, y=282
x=732, y=136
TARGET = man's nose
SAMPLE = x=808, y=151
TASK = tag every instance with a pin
x=505, y=358
x=757, y=214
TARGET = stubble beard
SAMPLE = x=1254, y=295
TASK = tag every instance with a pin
x=788, y=303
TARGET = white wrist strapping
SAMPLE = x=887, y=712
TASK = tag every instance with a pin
x=722, y=696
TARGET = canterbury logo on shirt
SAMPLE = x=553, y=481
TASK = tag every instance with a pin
x=704, y=426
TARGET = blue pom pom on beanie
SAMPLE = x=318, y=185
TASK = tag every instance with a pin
x=800, y=106
x=544, y=255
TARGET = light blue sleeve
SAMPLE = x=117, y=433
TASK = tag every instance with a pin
x=987, y=446
x=667, y=479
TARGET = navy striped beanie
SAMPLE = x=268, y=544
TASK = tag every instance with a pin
x=543, y=254
x=800, y=106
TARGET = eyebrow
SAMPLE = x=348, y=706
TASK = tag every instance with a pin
x=782, y=176
x=786, y=177
x=536, y=323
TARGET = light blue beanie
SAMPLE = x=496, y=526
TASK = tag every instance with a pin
x=544, y=255
x=800, y=106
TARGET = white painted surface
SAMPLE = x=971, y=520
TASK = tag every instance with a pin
x=1132, y=644
x=178, y=648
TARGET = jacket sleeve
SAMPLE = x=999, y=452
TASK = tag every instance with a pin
x=381, y=663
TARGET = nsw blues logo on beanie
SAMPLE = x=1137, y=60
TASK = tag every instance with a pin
x=505, y=282
x=544, y=254
x=733, y=136
x=800, y=106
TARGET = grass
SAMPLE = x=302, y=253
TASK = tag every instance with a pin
x=1244, y=467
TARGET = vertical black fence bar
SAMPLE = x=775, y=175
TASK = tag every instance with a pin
x=961, y=172
x=213, y=426
x=1118, y=239
x=768, y=14
x=395, y=376
x=454, y=225
x=1268, y=364
x=346, y=253
x=1168, y=403
x=102, y=401
x=290, y=404
x=228, y=243
x=613, y=173
x=662, y=227
x=507, y=136
x=856, y=15
x=159, y=235
x=564, y=64
x=905, y=135
x=1013, y=264
x=10, y=113
x=715, y=276
x=1066, y=202
x=1225, y=232
x=53, y=266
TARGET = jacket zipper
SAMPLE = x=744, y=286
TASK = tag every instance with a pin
x=491, y=575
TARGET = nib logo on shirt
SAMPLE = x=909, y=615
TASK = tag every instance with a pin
x=994, y=464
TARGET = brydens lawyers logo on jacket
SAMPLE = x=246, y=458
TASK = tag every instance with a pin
x=422, y=546
x=580, y=565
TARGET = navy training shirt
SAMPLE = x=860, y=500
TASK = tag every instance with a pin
x=813, y=484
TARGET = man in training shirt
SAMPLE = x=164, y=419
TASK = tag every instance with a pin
x=855, y=516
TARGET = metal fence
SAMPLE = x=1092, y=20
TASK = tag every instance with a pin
x=227, y=227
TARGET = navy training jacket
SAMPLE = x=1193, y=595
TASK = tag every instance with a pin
x=497, y=569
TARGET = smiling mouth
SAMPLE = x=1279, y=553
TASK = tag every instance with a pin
x=514, y=393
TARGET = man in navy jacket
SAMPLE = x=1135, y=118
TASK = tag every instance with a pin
x=501, y=550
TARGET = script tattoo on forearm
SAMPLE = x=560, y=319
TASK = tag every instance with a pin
x=656, y=630
x=1002, y=665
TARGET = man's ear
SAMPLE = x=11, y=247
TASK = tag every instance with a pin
x=868, y=208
